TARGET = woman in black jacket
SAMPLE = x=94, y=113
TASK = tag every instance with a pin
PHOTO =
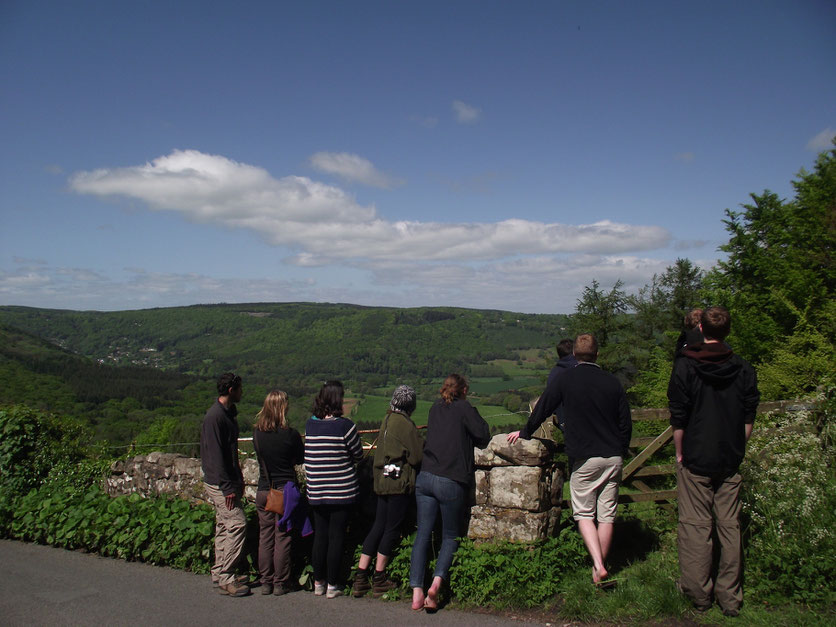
x=454, y=427
x=279, y=449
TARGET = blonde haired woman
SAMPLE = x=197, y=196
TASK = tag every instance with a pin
x=279, y=448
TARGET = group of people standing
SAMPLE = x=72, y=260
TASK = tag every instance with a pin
x=713, y=398
x=435, y=474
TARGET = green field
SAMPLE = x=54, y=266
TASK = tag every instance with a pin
x=485, y=386
x=373, y=409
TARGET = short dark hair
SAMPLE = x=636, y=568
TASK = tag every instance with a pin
x=329, y=401
x=586, y=347
x=564, y=347
x=692, y=318
x=716, y=323
x=228, y=381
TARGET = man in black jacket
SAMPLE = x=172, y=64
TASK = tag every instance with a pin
x=224, y=484
x=566, y=361
x=597, y=433
x=713, y=397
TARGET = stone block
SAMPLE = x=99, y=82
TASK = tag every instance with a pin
x=482, y=480
x=523, y=452
x=487, y=458
x=250, y=470
x=520, y=487
x=188, y=466
x=492, y=523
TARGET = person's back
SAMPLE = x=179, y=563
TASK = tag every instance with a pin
x=713, y=397
x=598, y=422
x=453, y=429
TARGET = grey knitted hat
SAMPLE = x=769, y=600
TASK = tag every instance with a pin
x=403, y=399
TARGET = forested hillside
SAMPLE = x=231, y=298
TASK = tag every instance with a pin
x=295, y=344
x=148, y=375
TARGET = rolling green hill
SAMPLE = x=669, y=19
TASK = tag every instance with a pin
x=149, y=374
x=295, y=343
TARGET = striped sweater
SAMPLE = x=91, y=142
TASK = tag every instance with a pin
x=332, y=447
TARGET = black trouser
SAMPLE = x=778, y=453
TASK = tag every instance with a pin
x=386, y=531
x=330, y=522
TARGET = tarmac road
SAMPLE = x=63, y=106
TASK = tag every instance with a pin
x=41, y=585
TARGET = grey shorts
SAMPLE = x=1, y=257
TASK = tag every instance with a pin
x=594, y=486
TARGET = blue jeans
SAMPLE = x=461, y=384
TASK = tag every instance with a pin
x=434, y=493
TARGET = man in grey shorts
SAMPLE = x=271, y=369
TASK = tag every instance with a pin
x=597, y=433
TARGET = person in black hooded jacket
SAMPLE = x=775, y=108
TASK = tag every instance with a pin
x=713, y=397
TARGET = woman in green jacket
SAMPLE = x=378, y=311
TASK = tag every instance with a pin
x=399, y=451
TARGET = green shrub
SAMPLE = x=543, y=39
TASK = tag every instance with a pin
x=162, y=531
x=789, y=496
x=502, y=574
x=799, y=364
x=507, y=574
x=32, y=443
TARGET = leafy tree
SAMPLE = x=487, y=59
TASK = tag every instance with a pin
x=682, y=283
x=661, y=305
x=801, y=363
x=600, y=313
x=780, y=262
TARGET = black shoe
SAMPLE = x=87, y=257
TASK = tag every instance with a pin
x=731, y=613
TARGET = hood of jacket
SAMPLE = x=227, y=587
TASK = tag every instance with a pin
x=714, y=362
x=570, y=361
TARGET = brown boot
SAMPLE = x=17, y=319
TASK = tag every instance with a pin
x=381, y=584
x=361, y=583
x=234, y=589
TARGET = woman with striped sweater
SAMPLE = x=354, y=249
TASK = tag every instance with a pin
x=332, y=447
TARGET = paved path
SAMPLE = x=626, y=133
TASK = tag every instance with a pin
x=42, y=585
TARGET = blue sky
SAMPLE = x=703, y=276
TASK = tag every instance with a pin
x=477, y=154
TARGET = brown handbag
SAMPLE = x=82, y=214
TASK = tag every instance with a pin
x=275, y=501
x=275, y=498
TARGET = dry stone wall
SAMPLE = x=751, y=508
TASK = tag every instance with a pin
x=517, y=495
x=158, y=474
x=518, y=491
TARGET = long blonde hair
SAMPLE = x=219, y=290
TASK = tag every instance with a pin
x=273, y=415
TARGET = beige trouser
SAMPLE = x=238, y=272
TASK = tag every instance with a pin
x=699, y=497
x=230, y=533
x=593, y=485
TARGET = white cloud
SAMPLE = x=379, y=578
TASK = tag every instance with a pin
x=313, y=217
x=78, y=288
x=353, y=168
x=822, y=141
x=465, y=113
x=541, y=284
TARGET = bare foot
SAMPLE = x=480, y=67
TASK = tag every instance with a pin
x=431, y=602
x=417, y=599
x=599, y=574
